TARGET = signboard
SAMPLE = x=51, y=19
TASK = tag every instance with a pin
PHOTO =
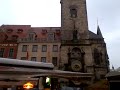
x=6, y=45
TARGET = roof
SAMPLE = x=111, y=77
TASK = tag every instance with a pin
x=66, y=34
x=94, y=36
x=99, y=32
x=49, y=30
x=113, y=73
x=12, y=31
x=15, y=29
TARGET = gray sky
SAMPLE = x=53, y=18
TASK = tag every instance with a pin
x=46, y=13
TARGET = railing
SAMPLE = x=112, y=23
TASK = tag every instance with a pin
x=27, y=40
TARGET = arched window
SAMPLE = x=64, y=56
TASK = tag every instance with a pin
x=73, y=12
x=97, y=56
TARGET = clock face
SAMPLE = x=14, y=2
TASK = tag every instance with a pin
x=76, y=66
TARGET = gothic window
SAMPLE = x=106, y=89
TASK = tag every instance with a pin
x=73, y=12
x=97, y=57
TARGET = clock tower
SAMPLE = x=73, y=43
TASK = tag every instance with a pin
x=81, y=49
x=74, y=27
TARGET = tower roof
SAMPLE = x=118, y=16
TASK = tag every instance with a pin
x=99, y=32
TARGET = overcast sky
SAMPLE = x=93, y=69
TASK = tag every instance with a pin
x=47, y=13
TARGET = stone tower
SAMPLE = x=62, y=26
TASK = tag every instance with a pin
x=74, y=16
x=81, y=50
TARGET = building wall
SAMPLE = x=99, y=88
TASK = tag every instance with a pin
x=7, y=46
x=10, y=34
x=48, y=54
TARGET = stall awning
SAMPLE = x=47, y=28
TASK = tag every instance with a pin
x=36, y=73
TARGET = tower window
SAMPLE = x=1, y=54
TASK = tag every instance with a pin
x=73, y=12
x=97, y=56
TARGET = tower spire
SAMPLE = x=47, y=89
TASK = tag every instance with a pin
x=98, y=30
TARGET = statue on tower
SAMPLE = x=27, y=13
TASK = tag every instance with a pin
x=75, y=35
x=75, y=32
